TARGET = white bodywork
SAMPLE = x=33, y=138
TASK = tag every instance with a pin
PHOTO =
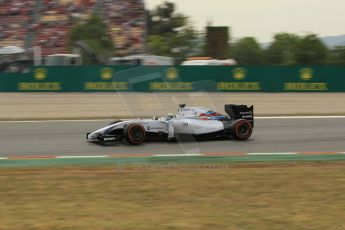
x=189, y=120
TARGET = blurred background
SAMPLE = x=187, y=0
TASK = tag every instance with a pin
x=137, y=32
x=143, y=58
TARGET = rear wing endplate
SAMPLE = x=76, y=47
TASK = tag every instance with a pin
x=240, y=112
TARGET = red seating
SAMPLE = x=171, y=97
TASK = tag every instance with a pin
x=126, y=24
x=126, y=20
x=15, y=21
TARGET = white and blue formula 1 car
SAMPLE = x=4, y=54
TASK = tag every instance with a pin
x=198, y=122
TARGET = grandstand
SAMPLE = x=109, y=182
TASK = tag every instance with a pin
x=46, y=23
x=127, y=24
x=16, y=20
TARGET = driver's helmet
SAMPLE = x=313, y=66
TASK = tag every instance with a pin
x=211, y=115
x=170, y=116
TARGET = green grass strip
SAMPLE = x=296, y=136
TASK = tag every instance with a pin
x=166, y=160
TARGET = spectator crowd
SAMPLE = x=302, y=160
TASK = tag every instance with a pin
x=126, y=20
x=15, y=19
x=46, y=23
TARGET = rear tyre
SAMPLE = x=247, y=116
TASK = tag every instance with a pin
x=134, y=134
x=242, y=130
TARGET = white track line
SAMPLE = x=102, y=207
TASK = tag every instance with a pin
x=78, y=157
x=162, y=155
x=287, y=153
x=300, y=117
x=177, y=155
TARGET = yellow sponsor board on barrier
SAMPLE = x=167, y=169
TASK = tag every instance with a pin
x=300, y=86
x=306, y=74
x=240, y=86
x=106, y=73
x=171, y=73
x=178, y=86
x=40, y=74
x=39, y=86
x=239, y=74
x=106, y=86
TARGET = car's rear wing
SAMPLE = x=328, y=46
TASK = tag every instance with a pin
x=240, y=112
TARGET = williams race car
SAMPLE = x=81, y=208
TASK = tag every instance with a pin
x=197, y=122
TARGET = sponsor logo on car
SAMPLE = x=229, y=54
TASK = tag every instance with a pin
x=109, y=139
x=159, y=127
x=246, y=112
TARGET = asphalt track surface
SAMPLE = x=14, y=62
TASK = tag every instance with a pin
x=67, y=138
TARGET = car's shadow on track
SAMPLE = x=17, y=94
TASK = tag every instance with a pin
x=174, y=142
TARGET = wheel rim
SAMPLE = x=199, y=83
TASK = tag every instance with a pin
x=136, y=133
x=243, y=129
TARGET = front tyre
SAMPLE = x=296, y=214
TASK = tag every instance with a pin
x=242, y=129
x=134, y=134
